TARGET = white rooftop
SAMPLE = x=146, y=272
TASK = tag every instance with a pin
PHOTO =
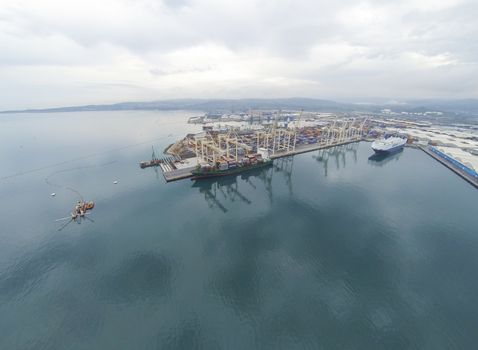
x=462, y=156
x=443, y=137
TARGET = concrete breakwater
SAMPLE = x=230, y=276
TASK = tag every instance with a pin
x=460, y=172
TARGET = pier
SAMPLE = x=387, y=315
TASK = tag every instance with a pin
x=231, y=147
x=176, y=168
x=185, y=171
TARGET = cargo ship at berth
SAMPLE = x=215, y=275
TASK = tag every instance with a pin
x=388, y=145
x=224, y=168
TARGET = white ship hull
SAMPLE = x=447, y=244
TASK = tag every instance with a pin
x=390, y=145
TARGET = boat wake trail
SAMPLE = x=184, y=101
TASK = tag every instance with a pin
x=49, y=181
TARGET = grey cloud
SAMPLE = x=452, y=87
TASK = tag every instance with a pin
x=173, y=49
x=159, y=72
x=177, y=3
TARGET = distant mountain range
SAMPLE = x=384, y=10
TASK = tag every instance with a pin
x=207, y=105
x=464, y=107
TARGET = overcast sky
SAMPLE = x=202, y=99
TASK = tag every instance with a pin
x=65, y=52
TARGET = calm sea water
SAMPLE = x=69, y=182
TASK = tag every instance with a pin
x=326, y=250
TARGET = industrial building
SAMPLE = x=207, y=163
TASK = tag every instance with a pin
x=460, y=158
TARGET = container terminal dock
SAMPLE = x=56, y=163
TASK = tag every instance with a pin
x=231, y=146
x=282, y=136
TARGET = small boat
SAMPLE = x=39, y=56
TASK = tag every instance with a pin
x=79, y=212
x=81, y=209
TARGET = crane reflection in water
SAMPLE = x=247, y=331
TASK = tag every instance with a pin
x=337, y=154
x=222, y=190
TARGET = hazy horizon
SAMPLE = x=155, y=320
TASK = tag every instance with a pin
x=470, y=105
x=76, y=53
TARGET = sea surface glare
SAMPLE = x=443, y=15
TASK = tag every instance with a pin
x=325, y=250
